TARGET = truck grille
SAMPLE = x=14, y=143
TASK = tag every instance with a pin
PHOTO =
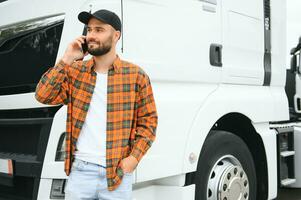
x=23, y=138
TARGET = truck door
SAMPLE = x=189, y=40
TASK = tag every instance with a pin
x=174, y=37
x=171, y=40
x=243, y=42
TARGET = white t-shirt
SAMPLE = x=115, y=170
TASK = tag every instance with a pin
x=91, y=144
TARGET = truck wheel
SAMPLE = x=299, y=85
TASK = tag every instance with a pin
x=225, y=169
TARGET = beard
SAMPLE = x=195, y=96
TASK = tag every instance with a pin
x=102, y=49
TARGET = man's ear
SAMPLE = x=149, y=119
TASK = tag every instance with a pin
x=118, y=35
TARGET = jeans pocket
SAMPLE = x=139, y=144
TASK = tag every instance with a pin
x=128, y=173
x=78, y=165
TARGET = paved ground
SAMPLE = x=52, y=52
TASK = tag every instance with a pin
x=289, y=194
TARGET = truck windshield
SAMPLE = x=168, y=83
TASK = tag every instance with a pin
x=27, y=50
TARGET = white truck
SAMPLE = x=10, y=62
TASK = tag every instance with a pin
x=228, y=108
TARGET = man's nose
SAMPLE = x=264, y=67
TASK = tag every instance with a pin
x=90, y=37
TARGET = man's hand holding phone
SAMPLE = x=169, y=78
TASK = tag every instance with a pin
x=76, y=50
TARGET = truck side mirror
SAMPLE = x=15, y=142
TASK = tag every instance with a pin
x=295, y=52
x=294, y=63
x=298, y=63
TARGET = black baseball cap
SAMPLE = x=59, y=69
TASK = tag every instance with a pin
x=103, y=15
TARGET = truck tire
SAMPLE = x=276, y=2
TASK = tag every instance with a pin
x=225, y=170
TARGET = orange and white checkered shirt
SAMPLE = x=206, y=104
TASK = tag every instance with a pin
x=131, y=110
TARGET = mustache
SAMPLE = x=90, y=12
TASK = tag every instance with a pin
x=94, y=41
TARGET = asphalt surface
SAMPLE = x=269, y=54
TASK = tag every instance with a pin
x=289, y=194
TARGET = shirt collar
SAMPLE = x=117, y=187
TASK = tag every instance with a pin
x=117, y=64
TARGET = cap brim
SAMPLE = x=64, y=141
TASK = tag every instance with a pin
x=84, y=17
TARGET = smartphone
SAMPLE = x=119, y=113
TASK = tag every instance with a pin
x=85, y=47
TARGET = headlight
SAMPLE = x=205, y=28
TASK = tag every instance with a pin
x=60, y=151
x=58, y=189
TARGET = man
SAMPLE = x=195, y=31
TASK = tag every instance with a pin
x=112, y=117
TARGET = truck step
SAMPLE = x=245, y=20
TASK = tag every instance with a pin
x=287, y=181
x=287, y=153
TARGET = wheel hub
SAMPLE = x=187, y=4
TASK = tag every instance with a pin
x=228, y=181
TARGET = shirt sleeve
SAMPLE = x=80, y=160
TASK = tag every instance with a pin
x=53, y=86
x=147, y=119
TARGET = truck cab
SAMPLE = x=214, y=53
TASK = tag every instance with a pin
x=218, y=72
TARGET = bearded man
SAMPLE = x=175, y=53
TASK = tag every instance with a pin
x=111, y=118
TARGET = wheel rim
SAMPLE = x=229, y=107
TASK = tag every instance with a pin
x=228, y=180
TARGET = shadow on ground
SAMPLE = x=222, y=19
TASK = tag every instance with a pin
x=289, y=194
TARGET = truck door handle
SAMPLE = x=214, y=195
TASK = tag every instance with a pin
x=216, y=55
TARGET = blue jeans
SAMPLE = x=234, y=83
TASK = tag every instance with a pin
x=88, y=181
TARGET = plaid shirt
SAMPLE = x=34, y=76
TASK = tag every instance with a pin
x=131, y=110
